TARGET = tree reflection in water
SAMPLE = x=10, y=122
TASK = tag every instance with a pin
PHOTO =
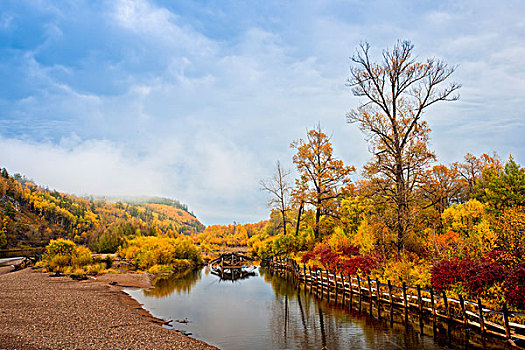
x=269, y=312
x=180, y=282
x=310, y=323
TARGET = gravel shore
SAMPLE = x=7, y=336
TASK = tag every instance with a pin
x=42, y=312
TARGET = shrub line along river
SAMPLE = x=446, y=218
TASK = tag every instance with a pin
x=267, y=312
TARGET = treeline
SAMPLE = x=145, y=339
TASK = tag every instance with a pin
x=31, y=216
x=232, y=235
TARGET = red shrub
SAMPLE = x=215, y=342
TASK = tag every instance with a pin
x=364, y=264
x=446, y=273
x=515, y=287
x=309, y=255
x=350, y=250
x=328, y=258
x=477, y=276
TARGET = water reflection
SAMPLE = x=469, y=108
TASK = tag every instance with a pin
x=33, y=252
x=179, y=282
x=267, y=312
x=228, y=274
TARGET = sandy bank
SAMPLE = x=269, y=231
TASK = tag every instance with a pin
x=40, y=312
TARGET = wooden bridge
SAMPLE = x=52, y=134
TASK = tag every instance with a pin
x=231, y=261
x=342, y=287
x=232, y=266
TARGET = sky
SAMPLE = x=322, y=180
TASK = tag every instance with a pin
x=197, y=100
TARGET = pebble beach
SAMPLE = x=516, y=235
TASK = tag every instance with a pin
x=42, y=312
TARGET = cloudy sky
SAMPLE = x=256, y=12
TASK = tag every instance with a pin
x=196, y=100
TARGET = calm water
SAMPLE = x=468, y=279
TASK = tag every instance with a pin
x=20, y=253
x=267, y=312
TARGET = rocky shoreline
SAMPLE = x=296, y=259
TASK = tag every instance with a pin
x=42, y=312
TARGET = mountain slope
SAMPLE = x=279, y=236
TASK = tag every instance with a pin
x=32, y=215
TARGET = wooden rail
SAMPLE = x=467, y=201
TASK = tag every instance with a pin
x=423, y=300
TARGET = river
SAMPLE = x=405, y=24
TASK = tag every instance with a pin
x=267, y=312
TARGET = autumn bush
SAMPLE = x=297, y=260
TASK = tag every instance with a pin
x=156, y=253
x=514, y=287
x=307, y=256
x=471, y=277
x=347, y=260
x=63, y=255
x=446, y=273
x=358, y=265
x=479, y=275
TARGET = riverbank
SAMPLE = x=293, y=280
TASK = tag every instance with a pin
x=41, y=312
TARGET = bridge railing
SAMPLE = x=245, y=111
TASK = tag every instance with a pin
x=469, y=313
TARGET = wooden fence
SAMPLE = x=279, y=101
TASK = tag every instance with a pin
x=468, y=313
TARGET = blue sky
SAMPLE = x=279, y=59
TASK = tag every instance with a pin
x=197, y=100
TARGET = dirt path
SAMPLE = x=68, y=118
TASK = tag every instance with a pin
x=40, y=312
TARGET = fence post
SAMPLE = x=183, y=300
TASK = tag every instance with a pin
x=369, y=288
x=390, y=292
x=322, y=284
x=432, y=301
x=378, y=291
x=419, y=299
x=313, y=280
x=405, y=294
x=316, y=280
x=463, y=309
x=359, y=284
x=350, y=284
x=328, y=283
x=445, y=301
x=336, y=287
x=506, y=320
x=481, y=320
x=344, y=288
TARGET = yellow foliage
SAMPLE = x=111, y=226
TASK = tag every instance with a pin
x=365, y=238
x=145, y=252
x=462, y=218
x=65, y=256
x=95, y=269
x=338, y=240
x=471, y=222
x=411, y=271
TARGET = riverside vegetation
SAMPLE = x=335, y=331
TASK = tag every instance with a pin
x=152, y=233
x=457, y=227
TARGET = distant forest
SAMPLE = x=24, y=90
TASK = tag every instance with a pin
x=31, y=215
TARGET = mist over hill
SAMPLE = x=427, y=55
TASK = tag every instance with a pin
x=31, y=215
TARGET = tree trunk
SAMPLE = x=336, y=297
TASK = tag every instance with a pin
x=401, y=203
x=283, y=212
x=299, y=218
x=317, y=217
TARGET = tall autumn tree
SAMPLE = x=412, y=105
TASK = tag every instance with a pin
x=323, y=180
x=279, y=189
x=397, y=91
x=470, y=170
x=441, y=187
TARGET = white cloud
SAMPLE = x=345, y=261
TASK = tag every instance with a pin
x=81, y=167
x=171, y=111
x=159, y=27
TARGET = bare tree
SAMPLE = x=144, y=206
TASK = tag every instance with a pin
x=279, y=189
x=397, y=91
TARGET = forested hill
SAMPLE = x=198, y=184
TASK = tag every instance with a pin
x=32, y=215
